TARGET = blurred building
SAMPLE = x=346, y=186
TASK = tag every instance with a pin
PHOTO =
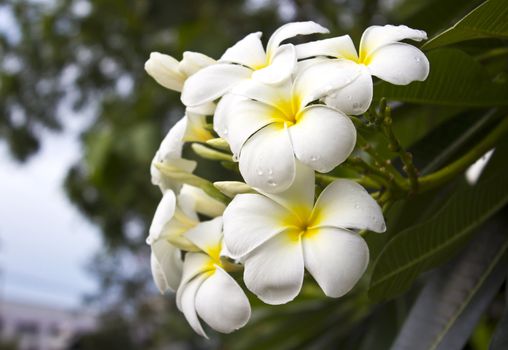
x=37, y=327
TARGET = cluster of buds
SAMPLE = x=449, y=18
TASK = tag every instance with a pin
x=284, y=114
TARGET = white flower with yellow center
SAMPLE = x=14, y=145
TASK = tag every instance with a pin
x=175, y=215
x=206, y=289
x=381, y=54
x=268, y=126
x=248, y=59
x=190, y=127
x=279, y=236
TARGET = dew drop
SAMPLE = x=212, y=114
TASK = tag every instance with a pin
x=270, y=171
x=225, y=131
x=235, y=157
x=417, y=59
x=259, y=172
x=357, y=206
x=356, y=105
x=313, y=158
x=272, y=183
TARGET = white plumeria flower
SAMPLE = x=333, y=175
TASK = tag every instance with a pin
x=190, y=127
x=279, y=236
x=172, y=74
x=175, y=215
x=206, y=289
x=381, y=54
x=247, y=59
x=268, y=126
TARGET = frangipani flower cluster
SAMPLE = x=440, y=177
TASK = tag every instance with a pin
x=284, y=113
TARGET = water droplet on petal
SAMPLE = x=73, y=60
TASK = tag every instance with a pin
x=270, y=171
x=417, y=59
x=272, y=183
x=235, y=157
x=313, y=158
x=357, y=206
x=259, y=172
x=225, y=131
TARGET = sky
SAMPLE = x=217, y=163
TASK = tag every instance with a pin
x=45, y=243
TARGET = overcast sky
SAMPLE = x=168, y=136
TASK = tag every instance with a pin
x=45, y=242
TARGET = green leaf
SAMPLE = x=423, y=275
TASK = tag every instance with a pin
x=490, y=19
x=428, y=244
x=453, y=300
x=500, y=337
x=455, y=79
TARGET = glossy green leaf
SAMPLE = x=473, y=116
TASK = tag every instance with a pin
x=500, y=337
x=455, y=79
x=453, y=300
x=490, y=19
x=426, y=245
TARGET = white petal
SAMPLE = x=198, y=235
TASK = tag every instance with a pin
x=355, y=98
x=238, y=117
x=203, y=203
x=193, y=62
x=336, y=259
x=207, y=235
x=339, y=47
x=195, y=130
x=399, y=64
x=345, y=204
x=212, y=82
x=299, y=197
x=165, y=70
x=321, y=78
x=195, y=264
x=281, y=66
x=164, y=212
x=221, y=303
x=207, y=108
x=267, y=160
x=272, y=95
x=290, y=30
x=274, y=271
x=248, y=52
x=172, y=144
x=188, y=303
x=251, y=219
x=166, y=265
x=322, y=137
x=375, y=37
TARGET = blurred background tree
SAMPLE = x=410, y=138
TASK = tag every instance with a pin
x=89, y=55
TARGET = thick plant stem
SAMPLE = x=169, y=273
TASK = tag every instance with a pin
x=447, y=173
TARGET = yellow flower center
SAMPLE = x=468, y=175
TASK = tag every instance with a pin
x=289, y=110
x=301, y=226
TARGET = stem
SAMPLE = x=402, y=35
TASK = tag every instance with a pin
x=325, y=180
x=406, y=157
x=209, y=153
x=177, y=174
x=447, y=173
